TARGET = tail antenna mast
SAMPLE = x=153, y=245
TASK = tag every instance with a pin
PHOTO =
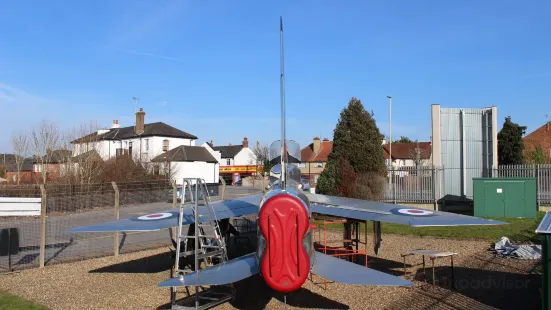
x=283, y=157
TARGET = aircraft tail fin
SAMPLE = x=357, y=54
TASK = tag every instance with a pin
x=229, y=272
x=338, y=270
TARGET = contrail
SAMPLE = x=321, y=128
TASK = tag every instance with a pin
x=146, y=54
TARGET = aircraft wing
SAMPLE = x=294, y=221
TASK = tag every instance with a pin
x=390, y=213
x=166, y=219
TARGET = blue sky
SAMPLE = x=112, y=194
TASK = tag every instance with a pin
x=211, y=68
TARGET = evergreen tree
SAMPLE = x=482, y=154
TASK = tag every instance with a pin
x=356, y=166
x=510, y=146
x=403, y=140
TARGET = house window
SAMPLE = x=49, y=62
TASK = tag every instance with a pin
x=228, y=162
x=147, y=144
x=165, y=145
x=301, y=165
x=130, y=148
x=318, y=165
x=120, y=152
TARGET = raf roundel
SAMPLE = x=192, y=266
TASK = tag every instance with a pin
x=415, y=212
x=154, y=216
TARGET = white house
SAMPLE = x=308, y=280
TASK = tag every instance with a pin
x=146, y=142
x=187, y=161
x=235, y=155
x=141, y=141
x=408, y=154
x=236, y=160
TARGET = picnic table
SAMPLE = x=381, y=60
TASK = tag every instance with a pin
x=433, y=255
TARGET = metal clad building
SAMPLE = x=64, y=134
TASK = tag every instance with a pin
x=464, y=143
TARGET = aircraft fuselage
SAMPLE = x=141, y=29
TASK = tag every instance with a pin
x=285, y=249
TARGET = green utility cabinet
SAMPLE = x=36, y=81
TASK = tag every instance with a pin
x=505, y=197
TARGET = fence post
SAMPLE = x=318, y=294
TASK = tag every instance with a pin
x=434, y=188
x=175, y=204
x=223, y=188
x=393, y=183
x=537, y=174
x=43, y=225
x=117, y=216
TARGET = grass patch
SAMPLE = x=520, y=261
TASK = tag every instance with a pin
x=8, y=301
x=519, y=230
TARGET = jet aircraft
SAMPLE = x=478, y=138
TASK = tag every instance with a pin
x=285, y=253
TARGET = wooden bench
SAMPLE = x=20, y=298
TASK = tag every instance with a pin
x=432, y=254
x=20, y=206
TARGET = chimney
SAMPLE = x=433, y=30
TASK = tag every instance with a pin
x=230, y=144
x=325, y=140
x=115, y=124
x=140, y=119
x=245, y=142
x=317, y=144
x=211, y=143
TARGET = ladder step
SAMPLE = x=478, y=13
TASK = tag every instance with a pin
x=208, y=298
x=210, y=254
x=206, y=225
x=190, y=252
x=200, y=236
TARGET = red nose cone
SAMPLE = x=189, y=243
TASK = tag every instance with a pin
x=284, y=221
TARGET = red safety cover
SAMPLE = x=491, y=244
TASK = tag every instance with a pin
x=284, y=221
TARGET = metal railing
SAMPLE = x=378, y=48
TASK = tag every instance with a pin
x=542, y=173
x=424, y=184
x=427, y=184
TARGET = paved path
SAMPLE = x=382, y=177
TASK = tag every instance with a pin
x=63, y=246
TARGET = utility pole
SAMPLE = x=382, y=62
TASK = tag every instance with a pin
x=390, y=139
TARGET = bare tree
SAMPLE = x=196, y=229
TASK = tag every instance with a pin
x=262, y=155
x=418, y=155
x=45, y=139
x=21, y=146
x=84, y=165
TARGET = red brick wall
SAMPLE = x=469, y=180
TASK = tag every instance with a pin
x=26, y=177
x=539, y=137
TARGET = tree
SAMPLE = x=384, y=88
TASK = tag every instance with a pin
x=44, y=140
x=418, y=155
x=20, y=145
x=356, y=166
x=403, y=140
x=262, y=154
x=86, y=166
x=536, y=156
x=510, y=146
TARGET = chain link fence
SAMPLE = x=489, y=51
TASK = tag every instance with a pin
x=40, y=240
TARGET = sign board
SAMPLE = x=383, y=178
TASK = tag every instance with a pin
x=240, y=169
x=20, y=206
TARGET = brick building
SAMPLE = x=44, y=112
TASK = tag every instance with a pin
x=313, y=159
x=539, y=137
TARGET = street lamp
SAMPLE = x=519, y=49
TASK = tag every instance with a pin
x=390, y=134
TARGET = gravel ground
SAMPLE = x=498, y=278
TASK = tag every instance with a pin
x=129, y=282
